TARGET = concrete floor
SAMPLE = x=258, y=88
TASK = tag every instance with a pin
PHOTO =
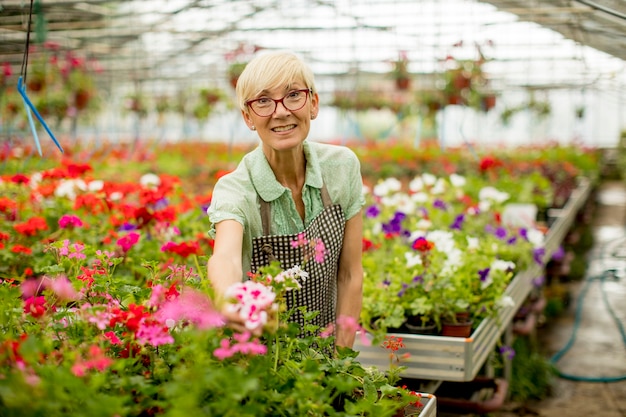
x=598, y=351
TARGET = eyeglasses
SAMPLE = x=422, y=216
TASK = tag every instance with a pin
x=265, y=106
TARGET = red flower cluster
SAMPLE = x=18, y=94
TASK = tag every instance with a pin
x=31, y=226
x=184, y=249
x=368, y=245
x=36, y=306
x=130, y=318
x=489, y=163
x=423, y=245
x=393, y=343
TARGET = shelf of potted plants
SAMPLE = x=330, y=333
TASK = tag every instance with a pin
x=444, y=358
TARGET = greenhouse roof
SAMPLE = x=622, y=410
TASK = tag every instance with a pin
x=537, y=44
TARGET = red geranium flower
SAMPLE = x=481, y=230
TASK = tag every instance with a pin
x=423, y=245
x=31, y=226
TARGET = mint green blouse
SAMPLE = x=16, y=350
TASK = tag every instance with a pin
x=235, y=194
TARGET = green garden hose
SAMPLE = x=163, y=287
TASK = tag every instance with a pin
x=607, y=274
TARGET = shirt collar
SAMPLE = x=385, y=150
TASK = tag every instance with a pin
x=263, y=178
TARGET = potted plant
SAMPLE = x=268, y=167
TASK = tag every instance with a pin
x=162, y=104
x=136, y=103
x=80, y=84
x=400, y=72
x=234, y=71
x=434, y=259
x=41, y=74
x=54, y=104
x=212, y=95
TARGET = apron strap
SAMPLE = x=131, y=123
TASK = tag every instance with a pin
x=325, y=196
x=266, y=216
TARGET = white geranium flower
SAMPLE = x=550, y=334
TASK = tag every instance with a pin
x=457, y=180
x=472, y=242
x=420, y=197
x=439, y=187
x=500, y=265
x=412, y=259
x=96, y=185
x=492, y=194
x=416, y=184
x=536, y=237
x=35, y=179
x=68, y=188
x=150, y=180
x=423, y=224
x=429, y=179
x=387, y=186
x=506, y=301
x=115, y=196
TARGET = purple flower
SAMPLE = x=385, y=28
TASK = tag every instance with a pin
x=538, y=282
x=538, y=254
x=127, y=227
x=511, y=240
x=403, y=290
x=523, y=232
x=483, y=273
x=500, y=233
x=558, y=254
x=372, y=212
x=458, y=222
x=161, y=203
x=440, y=204
x=418, y=279
x=507, y=351
x=395, y=224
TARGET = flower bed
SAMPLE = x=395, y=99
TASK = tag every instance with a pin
x=98, y=263
x=106, y=311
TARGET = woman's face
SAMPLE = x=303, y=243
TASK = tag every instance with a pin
x=284, y=129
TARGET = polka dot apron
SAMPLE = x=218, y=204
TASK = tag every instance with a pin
x=319, y=291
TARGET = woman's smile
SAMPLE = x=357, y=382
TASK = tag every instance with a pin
x=283, y=128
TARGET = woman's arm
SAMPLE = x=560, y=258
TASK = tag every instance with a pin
x=350, y=278
x=225, y=265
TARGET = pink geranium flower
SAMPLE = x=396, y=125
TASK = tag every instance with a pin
x=251, y=300
x=128, y=241
x=70, y=221
x=62, y=288
x=191, y=306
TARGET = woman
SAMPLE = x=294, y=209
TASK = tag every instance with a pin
x=285, y=187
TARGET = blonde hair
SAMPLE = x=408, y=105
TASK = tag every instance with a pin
x=272, y=70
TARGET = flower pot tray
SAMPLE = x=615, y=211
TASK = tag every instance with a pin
x=480, y=396
x=428, y=409
x=443, y=358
